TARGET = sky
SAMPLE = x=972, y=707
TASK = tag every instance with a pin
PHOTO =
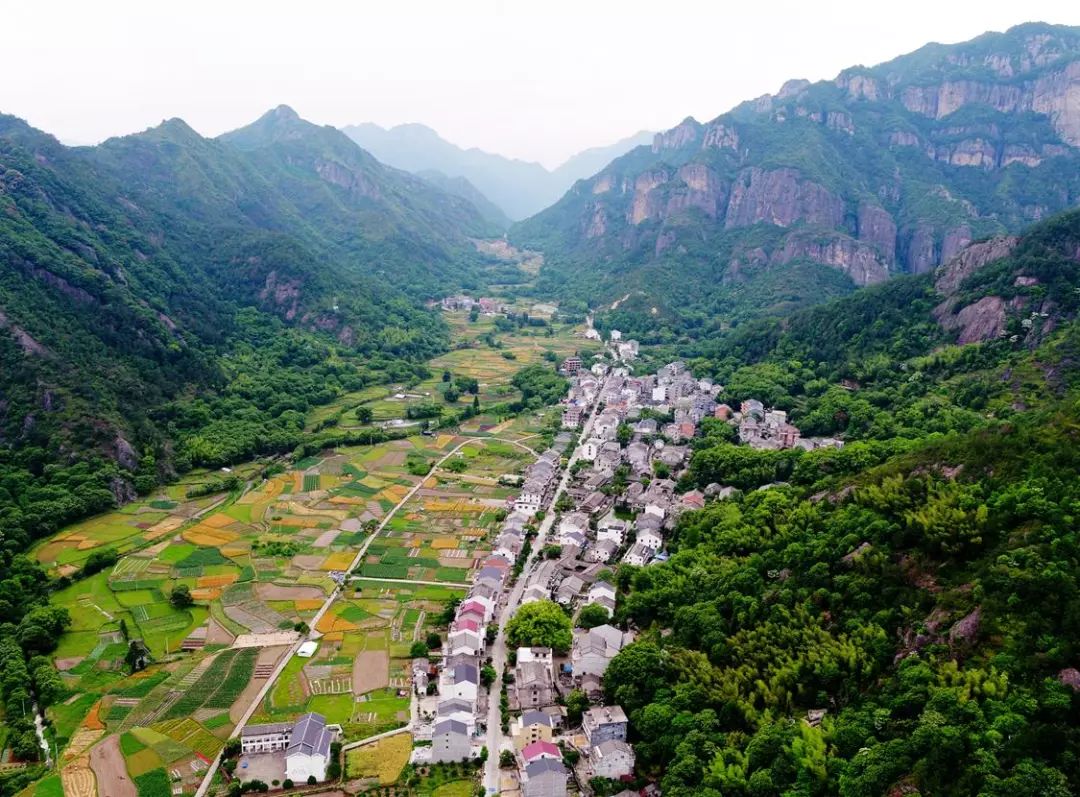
x=533, y=80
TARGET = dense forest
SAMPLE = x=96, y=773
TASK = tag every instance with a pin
x=897, y=616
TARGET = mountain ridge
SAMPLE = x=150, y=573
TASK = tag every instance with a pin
x=883, y=170
x=518, y=187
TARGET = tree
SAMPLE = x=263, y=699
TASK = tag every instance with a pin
x=419, y=650
x=487, y=675
x=138, y=655
x=446, y=376
x=577, y=703
x=434, y=641
x=311, y=780
x=592, y=615
x=540, y=624
x=364, y=415
x=506, y=759
x=635, y=675
x=180, y=597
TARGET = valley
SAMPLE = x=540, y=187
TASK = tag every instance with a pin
x=358, y=547
x=737, y=460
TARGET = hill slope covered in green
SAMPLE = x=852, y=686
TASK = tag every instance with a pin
x=793, y=198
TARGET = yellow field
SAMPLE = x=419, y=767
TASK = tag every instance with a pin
x=217, y=521
x=331, y=623
x=78, y=779
x=307, y=604
x=216, y=581
x=384, y=759
x=441, y=543
x=454, y=506
x=337, y=561
x=209, y=537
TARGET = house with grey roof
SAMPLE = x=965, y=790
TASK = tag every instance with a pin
x=450, y=742
x=544, y=777
x=308, y=753
x=612, y=759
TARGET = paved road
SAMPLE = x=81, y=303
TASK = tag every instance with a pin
x=496, y=739
x=454, y=584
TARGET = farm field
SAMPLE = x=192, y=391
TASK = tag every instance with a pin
x=258, y=563
x=383, y=760
x=471, y=358
x=359, y=675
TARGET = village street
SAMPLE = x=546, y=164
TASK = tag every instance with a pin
x=496, y=739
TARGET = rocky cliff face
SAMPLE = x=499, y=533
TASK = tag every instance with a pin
x=884, y=170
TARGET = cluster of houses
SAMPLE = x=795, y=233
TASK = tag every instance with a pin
x=483, y=304
x=454, y=721
x=769, y=428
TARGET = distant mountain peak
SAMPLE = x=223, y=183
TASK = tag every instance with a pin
x=284, y=113
x=517, y=187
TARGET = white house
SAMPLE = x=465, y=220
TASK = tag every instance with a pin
x=594, y=649
x=590, y=448
x=650, y=539
x=450, y=741
x=265, y=738
x=639, y=555
x=460, y=710
x=602, y=552
x=612, y=759
x=308, y=753
x=603, y=594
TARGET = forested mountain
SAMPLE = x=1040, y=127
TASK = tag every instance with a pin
x=793, y=197
x=898, y=616
x=520, y=188
x=169, y=300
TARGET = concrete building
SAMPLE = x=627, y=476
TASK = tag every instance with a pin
x=544, y=778
x=308, y=753
x=612, y=759
x=450, y=742
x=604, y=723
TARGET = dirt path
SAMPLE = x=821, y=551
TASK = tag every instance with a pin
x=371, y=670
x=108, y=764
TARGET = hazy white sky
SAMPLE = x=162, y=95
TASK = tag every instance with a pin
x=536, y=80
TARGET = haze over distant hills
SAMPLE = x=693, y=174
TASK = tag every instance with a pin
x=520, y=188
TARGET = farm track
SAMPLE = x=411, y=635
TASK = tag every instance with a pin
x=361, y=552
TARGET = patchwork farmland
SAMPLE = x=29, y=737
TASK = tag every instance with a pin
x=259, y=564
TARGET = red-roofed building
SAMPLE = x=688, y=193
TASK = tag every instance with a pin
x=541, y=749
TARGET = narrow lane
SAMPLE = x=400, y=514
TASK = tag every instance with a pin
x=496, y=739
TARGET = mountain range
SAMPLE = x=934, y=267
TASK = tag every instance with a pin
x=793, y=197
x=519, y=188
x=136, y=272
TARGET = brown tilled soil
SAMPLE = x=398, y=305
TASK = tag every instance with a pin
x=371, y=670
x=217, y=634
x=108, y=764
x=279, y=592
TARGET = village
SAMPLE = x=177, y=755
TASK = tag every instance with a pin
x=605, y=493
